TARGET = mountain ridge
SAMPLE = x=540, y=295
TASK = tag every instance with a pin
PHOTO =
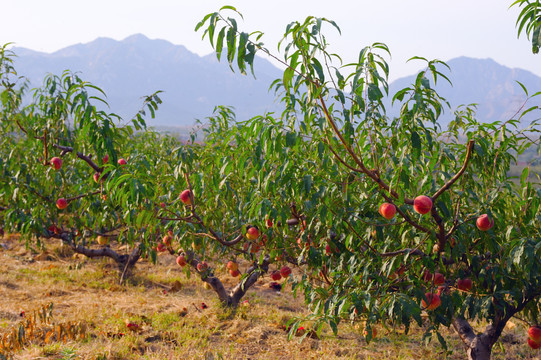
x=193, y=85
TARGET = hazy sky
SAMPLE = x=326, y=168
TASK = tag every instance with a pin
x=429, y=28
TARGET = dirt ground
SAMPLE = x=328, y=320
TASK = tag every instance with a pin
x=74, y=308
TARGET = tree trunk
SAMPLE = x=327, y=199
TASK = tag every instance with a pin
x=479, y=349
x=479, y=346
x=231, y=298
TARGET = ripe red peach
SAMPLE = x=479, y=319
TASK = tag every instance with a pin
x=387, y=210
x=252, y=233
x=285, y=271
x=186, y=197
x=484, y=222
x=433, y=299
x=422, y=204
x=56, y=162
x=61, y=203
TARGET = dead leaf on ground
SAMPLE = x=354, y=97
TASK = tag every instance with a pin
x=177, y=286
x=44, y=256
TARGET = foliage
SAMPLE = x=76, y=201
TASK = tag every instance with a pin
x=365, y=158
x=529, y=21
x=311, y=180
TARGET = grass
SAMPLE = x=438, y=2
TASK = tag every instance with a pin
x=87, y=292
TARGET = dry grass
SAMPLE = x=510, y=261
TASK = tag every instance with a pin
x=87, y=291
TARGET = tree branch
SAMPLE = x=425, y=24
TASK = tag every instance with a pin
x=458, y=174
x=87, y=159
x=464, y=330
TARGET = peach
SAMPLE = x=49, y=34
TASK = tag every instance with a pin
x=102, y=240
x=464, y=284
x=56, y=162
x=202, y=266
x=61, y=203
x=534, y=345
x=186, y=197
x=285, y=271
x=387, y=210
x=234, y=273
x=181, y=260
x=439, y=279
x=252, y=233
x=534, y=333
x=433, y=299
x=167, y=240
x=276, y=276
x=422, y=204
x=232, y=265
x=484, y=222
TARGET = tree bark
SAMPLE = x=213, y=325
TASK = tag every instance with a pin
x=479, y=346
x=230, y=298
x=125, y=262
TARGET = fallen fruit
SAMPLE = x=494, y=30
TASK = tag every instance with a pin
x=275, y=286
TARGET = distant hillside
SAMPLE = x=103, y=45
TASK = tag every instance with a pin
x=137, y=66
x=485, y=82
x=129, y=69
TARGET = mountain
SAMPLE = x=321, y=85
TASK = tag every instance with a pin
x=193, y=85
x=130, y=69
x=493, y=87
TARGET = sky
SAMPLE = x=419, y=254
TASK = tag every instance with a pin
x=433, y=29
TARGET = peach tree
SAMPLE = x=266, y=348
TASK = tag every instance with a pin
x=58, y=153
x=239, y=193
x=423, y=222
x=74, y=172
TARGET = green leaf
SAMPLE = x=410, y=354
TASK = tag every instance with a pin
x=524, y=176
x=416, y=140
x=220, y=43
x=291, y=139
x=374, y=93
x=307, y=180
